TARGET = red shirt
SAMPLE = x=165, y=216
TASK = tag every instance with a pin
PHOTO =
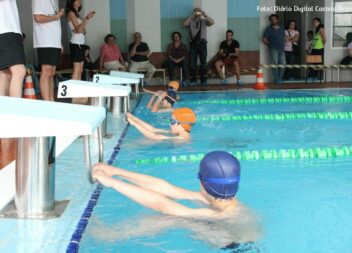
x=110, y=53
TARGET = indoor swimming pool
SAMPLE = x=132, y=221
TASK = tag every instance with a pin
x=300, y=205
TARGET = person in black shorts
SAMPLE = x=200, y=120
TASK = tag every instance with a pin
x=47, y=41
x=78, y=32
x=228, y=55
x=12, y=57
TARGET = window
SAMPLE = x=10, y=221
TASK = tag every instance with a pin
x=342, y=22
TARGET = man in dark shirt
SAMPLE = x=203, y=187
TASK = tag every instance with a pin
x=177, y=53
x=274, y=37
x=139, y=52
x=228, y=55
x=197, y=24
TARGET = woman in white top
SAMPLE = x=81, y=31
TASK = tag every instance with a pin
x=12, y=58
x=291, y=45
x=77, y=42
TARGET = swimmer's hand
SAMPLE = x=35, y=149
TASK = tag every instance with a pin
x=131, y=121
x=102, y=178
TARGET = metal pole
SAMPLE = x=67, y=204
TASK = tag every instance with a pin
x=101, y=102
x=116, y=105
x=87, y=158
x=35, y=177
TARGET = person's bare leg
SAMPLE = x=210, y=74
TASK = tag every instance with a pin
x=218, y=66
x=77, y=70
x=52, y=85
x=5, y=77
x=18, y=73
x=44, y=82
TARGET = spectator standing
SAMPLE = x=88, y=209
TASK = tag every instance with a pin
x=47, y=41
x=12, y=60
x=309, y=42
x=139, y=52
x=110, y=55
x=78, y=31
x=291, y=45
x=319, y=40
x=197, y=25
x=229, y=53
x=177, y=53
x=274, y=38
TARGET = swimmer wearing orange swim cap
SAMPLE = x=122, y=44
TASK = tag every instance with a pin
x=174, y=84
x=181, y=123
x=185, y=117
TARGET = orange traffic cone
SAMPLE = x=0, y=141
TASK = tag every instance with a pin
x=260, y=85
x=29, y=88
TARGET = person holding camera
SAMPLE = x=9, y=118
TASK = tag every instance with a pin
x=197, y=25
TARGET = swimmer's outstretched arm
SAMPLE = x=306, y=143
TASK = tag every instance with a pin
x=165, y=110
x=156, y=93
x=151, y=183
x=151, y=199
x=134, y=120
x=140, y=122
x=149, y=134
x=151, y=101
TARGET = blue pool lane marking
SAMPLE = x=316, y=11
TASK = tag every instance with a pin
x=73, y=246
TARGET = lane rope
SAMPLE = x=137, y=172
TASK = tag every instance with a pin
x=265, y=154
x=279, y=116
x=293, y=100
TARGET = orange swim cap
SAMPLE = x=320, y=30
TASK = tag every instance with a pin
x=186, y=117
x=174, y=84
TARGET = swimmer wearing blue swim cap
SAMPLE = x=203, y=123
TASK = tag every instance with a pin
x=163, y=101
x=219, y=175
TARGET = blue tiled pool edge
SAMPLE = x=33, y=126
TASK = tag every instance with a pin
x=73, y=246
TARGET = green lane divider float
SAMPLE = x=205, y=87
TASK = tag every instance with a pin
x=280, y=116
x=271, y=154
x=295, y=100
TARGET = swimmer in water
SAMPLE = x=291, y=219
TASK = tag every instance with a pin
x=181, y=123
x=163, y=101
x=219, y=176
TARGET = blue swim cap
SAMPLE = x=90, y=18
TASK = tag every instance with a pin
x=171, y=96
x=219, y=174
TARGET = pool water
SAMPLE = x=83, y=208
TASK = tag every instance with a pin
x=303, y=205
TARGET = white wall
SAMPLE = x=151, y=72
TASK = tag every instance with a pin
x=144, y=17
x=99, y=26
